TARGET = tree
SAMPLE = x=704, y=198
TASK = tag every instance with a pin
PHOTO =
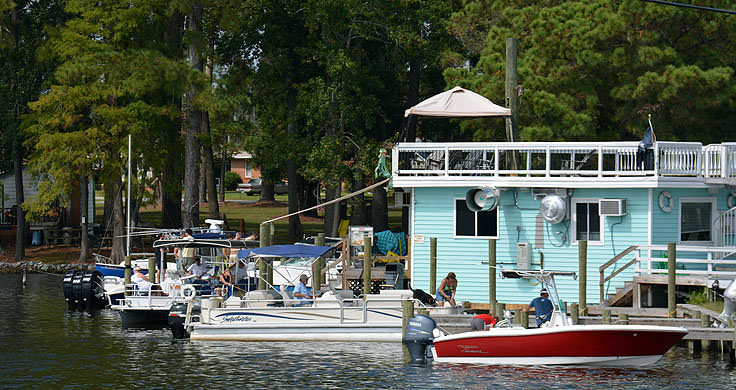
x=592, y=70
x=111, y=82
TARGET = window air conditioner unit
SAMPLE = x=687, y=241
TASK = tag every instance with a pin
x=612, y=207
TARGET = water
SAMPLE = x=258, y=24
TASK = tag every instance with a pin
x=44, y=345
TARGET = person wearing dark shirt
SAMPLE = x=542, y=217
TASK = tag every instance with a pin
x=542, y=307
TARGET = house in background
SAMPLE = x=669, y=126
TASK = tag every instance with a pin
x=627, y=207
x=240, y=163
x=71, y=211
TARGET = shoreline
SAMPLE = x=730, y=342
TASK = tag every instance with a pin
x=39, y=266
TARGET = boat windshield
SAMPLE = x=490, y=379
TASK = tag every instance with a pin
x=298, y=261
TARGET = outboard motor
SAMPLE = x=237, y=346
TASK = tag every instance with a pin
x=729, y=305
x=177, y=316
x=66, y=285
x=418, y=336
x=93, y=293
x=77, y=300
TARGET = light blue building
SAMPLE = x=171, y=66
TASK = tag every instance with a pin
x=681, y=192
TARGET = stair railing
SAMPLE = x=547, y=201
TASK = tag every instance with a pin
x=602, y=269
x=725, y=223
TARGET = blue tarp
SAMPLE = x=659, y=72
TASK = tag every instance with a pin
x=389, y=241
x=285, y=251
x=210, y=236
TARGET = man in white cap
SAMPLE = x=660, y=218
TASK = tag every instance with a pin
x=542, y=307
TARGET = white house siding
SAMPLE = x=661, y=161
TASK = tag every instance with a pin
x=30, y=189
x=434, y=217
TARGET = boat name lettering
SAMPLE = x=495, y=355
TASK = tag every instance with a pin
x=236, y=318
x=469, y=349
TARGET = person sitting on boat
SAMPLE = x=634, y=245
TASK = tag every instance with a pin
x=481, y=321
x=229, y=276
x=143, y=283
x=542, y=307
x=197, y=269
x=446, y=290
x=301, y=292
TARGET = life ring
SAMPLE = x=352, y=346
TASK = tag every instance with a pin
x=731, y=200
x=188, y=288
x=665, y=201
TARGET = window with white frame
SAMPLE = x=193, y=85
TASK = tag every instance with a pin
x=248, y=172
x=475, y=224
x=587, y=221
x=696, y=217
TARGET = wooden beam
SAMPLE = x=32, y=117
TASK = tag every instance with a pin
x=618, y=257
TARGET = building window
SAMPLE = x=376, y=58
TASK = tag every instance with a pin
x=587, y=221
x=696, y=217
x=475, y=224
x=247, y=169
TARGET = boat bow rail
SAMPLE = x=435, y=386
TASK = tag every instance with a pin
x=581, y=164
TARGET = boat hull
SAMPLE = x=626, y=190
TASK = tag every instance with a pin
x=608, y=345
x=145, y=319
x=299, y=332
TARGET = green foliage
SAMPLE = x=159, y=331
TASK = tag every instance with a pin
x=594, y=69
x=232, y=179
x=697, y=298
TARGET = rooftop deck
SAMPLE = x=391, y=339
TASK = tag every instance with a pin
x=568, y=164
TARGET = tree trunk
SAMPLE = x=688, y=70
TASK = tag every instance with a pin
x=202, y=177
x=311, y=198
x=171, y=190
x=194, y=124
x=295, y=224
x=20, y=232
x=266, y=191
x=84, y=218
x=109, y=203
x=332, y=212
x=209, y=168
x=359, y=216
x=379, y=212
x=118, y=221
x=222, y=173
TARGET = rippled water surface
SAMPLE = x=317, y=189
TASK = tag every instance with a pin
x=44, y=345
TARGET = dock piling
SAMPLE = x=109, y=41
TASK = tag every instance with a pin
x=606, y=318
x=128, y=273
x=433, y=265
x=583, y=273
x=706, y=345
x=492, y=276
x=623, y=319
x=671, y=281
x=524, y=318
x=367, y=257
x=575, y=313
x=407, y=312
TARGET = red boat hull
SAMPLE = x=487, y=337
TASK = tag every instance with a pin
x=588, y=344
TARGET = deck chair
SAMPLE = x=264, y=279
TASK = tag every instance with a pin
x=289, y=301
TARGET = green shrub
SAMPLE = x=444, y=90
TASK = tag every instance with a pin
x=697, y=298
x=232, y=180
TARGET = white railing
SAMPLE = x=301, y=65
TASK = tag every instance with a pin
x=726, y=225
x=555, y=159
x=691, y=261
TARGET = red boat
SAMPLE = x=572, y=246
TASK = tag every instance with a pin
x=555, y=342
x=607, y=345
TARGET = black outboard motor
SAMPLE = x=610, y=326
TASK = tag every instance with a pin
x=77, y=300
x=177, y=316
x=93, y=292
x=418, y=336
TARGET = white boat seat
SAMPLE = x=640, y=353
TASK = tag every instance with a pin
x=287, y=297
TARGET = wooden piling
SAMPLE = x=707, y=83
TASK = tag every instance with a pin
x=128, y=273
x=320, y=241
x=492, y=276
x=407, y=312
x=583, y=273
x=367, y=257
x=606, y=317
x=152, y=269
x=499, y=310
x=705, y=323
x=265, y=234
x=671, y=281
x=433, y=265
x=623, y=319
x=524, y=318
x=517, y=316
x=575, y=313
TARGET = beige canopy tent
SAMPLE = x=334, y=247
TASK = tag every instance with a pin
x=457, y=102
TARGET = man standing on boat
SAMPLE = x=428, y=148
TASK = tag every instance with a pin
x=542, y=307
x=301, y=292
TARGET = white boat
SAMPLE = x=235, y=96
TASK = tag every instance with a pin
x=265, y=316
x=557, y=342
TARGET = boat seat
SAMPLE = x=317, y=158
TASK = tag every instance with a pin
x=287, y=297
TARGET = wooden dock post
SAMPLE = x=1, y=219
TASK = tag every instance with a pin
x=524, y=318
x=499, y=310
x=732, y=352
x=320, y=241
x=128, y=274
x=433, y=265
x=265, y=240
x=492, y=276
x=606, y=317
x=367, y=257
x=706, y=345
x=407, y=312
x=152, y=269
x=583, y=274
x=517, y=316
x=575, y=313
x=671, y=281
x=623, y=319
